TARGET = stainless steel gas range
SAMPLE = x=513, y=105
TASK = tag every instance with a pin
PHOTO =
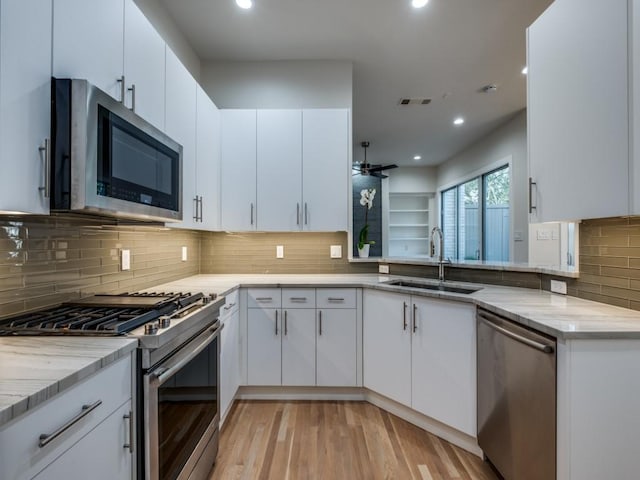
x=178, y=412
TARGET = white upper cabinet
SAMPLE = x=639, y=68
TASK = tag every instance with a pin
x=288, y=168
x=325, y=169
x=207, y=161
x=238, y=170
x=25, y=100
x=88, y=42
x=144, y=66
x=578, y=111
x=279, y=134
x=181, y=126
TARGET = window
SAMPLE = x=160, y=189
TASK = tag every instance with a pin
x=475, y=217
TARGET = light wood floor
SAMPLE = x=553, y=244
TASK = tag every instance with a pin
x=334, y=441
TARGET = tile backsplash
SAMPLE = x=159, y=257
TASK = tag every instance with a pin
x=46, y=260
x=609, y=262
x=304, y=252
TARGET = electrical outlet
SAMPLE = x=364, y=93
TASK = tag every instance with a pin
x=559, y=287
x=280, y=251
x=383, y=268
x=517, y=236
x=184, y=254
x=125, y=259
x=336, y=251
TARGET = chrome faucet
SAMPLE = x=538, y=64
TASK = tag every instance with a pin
x=432, y=251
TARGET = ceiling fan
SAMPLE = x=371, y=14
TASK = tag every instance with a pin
x=365, y=168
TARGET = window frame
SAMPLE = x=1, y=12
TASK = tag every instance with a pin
x=481, y=175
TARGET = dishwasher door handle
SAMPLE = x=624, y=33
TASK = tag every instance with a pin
x=518, y=338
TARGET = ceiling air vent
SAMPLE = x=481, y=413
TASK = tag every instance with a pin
x=415, y=101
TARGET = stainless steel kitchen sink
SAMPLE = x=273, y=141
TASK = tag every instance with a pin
x=442, y=287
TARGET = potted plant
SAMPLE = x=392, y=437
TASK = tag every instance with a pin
x=366, y=200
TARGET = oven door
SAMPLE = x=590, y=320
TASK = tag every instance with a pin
x=182, y=410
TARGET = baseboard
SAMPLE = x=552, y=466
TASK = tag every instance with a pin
x=451, y=435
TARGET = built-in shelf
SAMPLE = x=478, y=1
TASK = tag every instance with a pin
x=409, y=223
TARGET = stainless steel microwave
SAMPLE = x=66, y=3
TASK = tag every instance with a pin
x=107, y=160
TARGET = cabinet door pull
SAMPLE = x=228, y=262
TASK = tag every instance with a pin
x=47, y=438
x=129, y=417
x=320, y=322
x=123, y=89
x=251, y=213
x=404, y=315
x=297, y=214
x=201, y=209
x=46, y=150
x=306, y=217
x=132, y=89
x=415, y=321
x=195, y=211
x=285, y=323
x=276, y=323
x=532, y=207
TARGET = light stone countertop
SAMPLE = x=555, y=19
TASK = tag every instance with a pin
x=561, y=316
x=34, y=369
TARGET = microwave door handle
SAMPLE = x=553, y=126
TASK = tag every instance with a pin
x=132, y=89
x=123, y=88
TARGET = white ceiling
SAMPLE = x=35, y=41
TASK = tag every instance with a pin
x=446, y=51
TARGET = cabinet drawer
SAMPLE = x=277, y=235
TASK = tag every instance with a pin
x=298, y=298
x=264, y=298
x=21, y=456
x=336, y=298
x=231, y=302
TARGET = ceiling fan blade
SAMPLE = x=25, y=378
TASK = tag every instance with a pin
x=377, y=174
x=382, y=167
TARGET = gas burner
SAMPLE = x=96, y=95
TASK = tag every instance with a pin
x=105, y=314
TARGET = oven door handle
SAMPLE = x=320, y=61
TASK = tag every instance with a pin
x=164, y=372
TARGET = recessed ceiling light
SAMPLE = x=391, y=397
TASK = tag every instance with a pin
x=525, y=70
x=417, y=157
x=458, y=121
x=245, y=3
x=419, y=3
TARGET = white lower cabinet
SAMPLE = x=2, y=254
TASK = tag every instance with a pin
x=336, y=361
x=443, y=359
x=100, y=455
x=229, y=352
x=264, y=346
x=298, y=347
x=420, y=352
x=386, y=339
x=302, y=337
x=94, y=445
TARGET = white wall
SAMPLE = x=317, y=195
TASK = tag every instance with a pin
x=507, y=140
x=413, y=179
x=279, y=84
x=166, y=27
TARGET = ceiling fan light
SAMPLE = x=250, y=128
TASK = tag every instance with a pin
x=246, y=4
x=419, y=3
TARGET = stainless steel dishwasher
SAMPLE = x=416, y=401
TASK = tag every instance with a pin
x=516, y=398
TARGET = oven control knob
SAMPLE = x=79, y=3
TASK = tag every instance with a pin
x=164, y=322
x=150, y=328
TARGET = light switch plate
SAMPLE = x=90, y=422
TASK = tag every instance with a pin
x=336, y=251
x=383, y=268
x=184, y=254
x=559, y=287
x=125, y=259
x=543, y=235
x=280, y=251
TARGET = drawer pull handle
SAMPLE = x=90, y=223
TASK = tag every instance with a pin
x=298, y=299
x=230, y=306
x=264, y=299
x=129, y=445
x=46, y=439
x=335, y=299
